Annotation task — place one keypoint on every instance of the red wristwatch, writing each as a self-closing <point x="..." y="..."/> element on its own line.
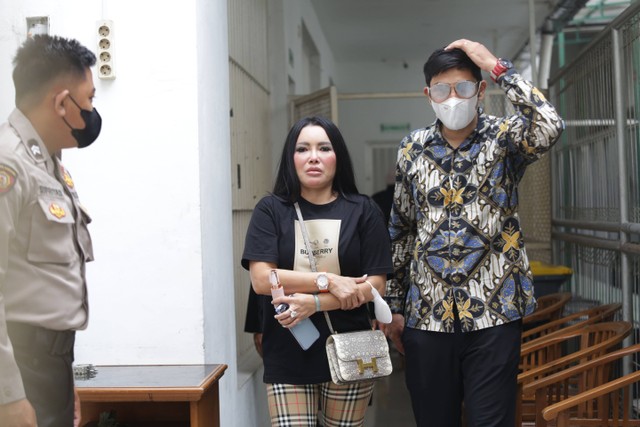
<point x="502" y="66"/>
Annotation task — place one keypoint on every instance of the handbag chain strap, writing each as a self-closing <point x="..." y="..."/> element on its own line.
<point x="312" y="259"/>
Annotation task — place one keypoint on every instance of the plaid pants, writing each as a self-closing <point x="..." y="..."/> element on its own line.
<point x="326" y="404"/>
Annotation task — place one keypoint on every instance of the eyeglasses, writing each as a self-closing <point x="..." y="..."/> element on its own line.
<point x="465" y="89"/>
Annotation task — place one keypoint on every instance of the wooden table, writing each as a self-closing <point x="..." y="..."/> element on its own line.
<point x="144" y="396"/>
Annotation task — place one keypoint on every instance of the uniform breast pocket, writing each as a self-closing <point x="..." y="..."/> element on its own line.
<point x="52" y="239"/>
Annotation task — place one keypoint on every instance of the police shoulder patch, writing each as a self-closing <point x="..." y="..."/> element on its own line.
<point x="8" y="177"/>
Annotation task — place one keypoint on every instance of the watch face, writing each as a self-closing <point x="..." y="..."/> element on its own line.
<point x="322" y="281"/>
<point x="506" y="63"/>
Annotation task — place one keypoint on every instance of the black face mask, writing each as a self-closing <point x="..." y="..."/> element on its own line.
<point x="92" y="126"/>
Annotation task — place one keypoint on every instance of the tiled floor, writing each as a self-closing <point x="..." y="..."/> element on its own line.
<point x="391" y="404"/>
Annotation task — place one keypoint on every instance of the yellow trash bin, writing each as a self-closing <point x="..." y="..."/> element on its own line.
<point x="548" y="278"/>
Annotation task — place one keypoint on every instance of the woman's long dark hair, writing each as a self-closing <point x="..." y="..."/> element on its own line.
<point x="287" y="185"/>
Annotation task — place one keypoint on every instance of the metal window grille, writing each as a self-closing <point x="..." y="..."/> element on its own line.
<point x="595" y="174"/>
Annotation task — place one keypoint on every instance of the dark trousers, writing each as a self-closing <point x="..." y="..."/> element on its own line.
<point x="45" y="361"/>
<point x="479" y="368"/>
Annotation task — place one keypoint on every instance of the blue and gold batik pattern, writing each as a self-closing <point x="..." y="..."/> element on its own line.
<point x="454" y="225"/>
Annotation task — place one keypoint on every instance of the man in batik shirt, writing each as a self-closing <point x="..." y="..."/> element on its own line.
<point x="462" y="279"/>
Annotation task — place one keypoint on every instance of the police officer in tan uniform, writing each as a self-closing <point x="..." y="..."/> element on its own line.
<point x="44" y="241"/>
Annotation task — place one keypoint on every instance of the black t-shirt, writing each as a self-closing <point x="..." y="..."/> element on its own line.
<point x="349" y="238"/>
<point x="253" y="318"/>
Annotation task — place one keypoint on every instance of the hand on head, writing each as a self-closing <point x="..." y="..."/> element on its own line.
<point x="477" y="52"/>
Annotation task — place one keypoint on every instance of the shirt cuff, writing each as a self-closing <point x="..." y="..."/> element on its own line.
<point x="510" y="77"/>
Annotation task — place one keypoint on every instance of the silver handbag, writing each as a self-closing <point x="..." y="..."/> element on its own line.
<point x="353" y="356"/>
<point x="358" y="356"/>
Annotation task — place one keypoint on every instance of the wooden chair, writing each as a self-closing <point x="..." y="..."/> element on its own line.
<point x="550" y="308"/>
<point x="601" y="313"/>
<point x="605" y="405"/>
<point x="561" y="351"/>
<point x="574" y="380"/>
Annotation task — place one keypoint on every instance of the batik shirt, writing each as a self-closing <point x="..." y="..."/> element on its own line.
<point x="454" y="224"/>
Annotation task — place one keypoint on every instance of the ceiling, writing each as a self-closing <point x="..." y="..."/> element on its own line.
<point x="406" y="30"/>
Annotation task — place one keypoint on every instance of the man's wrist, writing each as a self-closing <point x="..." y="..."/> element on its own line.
<point x="500" y="69"/>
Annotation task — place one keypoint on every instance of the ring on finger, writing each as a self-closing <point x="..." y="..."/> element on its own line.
<point x="293" y="314"/>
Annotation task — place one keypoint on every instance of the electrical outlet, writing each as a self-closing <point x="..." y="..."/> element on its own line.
<point x="106" y="57"/>
<point x="37" y="25"/>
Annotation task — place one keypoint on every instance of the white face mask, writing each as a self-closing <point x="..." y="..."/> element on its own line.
<point x="456" y="113"/>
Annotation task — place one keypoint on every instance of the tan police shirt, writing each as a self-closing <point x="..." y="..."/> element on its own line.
<point x="44" y="244"/>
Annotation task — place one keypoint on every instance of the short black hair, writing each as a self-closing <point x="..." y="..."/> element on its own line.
<point x="287" y="185"/>
<point x="442" y="60"/>
<point x="43" y="58"/>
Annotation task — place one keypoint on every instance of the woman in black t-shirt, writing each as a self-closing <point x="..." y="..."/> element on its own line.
<point x="351" y="246"/>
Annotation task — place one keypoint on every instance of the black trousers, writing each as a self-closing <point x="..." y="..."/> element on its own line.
<point x="45" y="359"/>
<point x="479" y="368"/>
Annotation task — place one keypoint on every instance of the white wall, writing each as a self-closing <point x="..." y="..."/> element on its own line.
<point x="141" y="184"/>
<point x="151" y="140"/>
